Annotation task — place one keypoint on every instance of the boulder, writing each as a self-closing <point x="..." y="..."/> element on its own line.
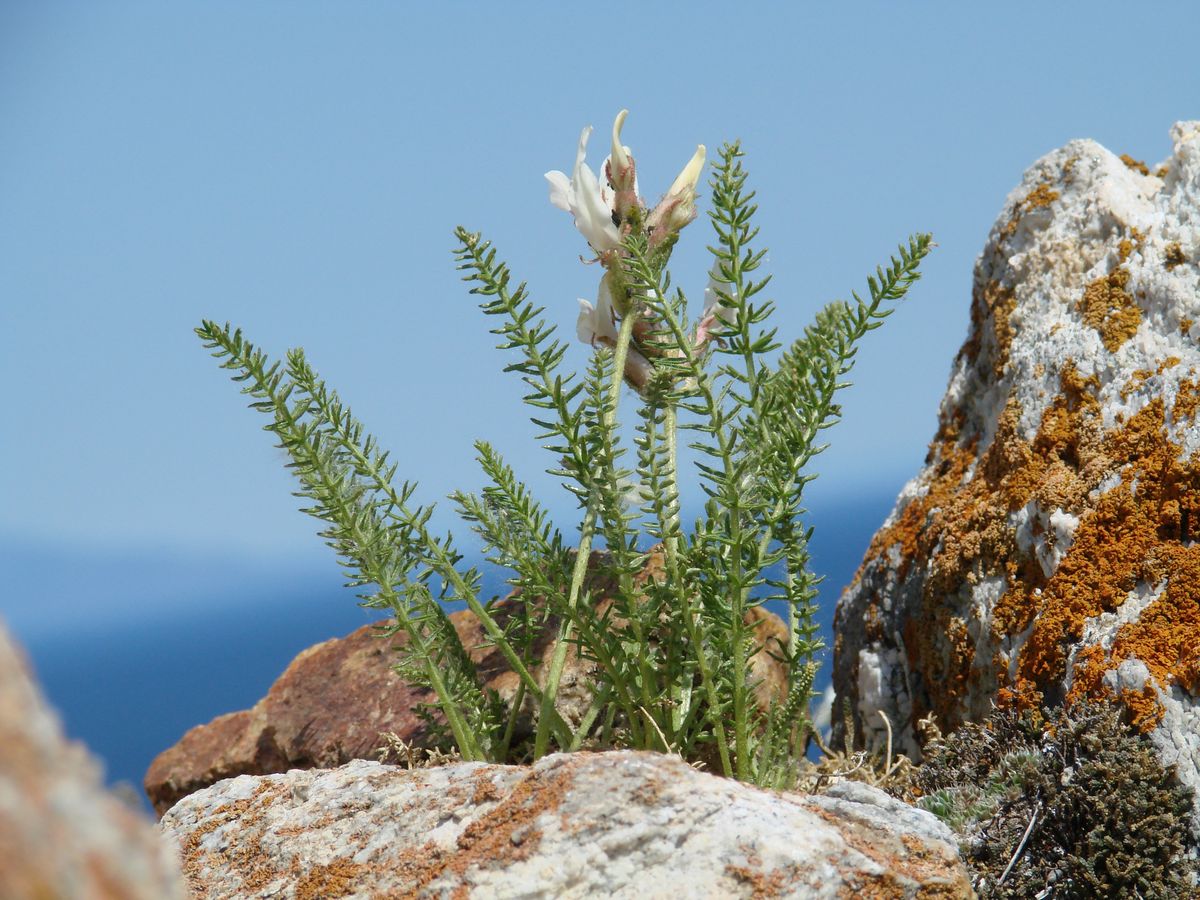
<point x="61" y="833"/>
<point x="1048" y="551"/>
<point x="621" y="824"/>
<point x="336" y="698"/>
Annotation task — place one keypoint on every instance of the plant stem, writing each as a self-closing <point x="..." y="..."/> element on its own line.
<point x="510" y="726"/>
<point x="670" y="429"/>
<point x="691" y="616"/>
<point x="582" y="555"/>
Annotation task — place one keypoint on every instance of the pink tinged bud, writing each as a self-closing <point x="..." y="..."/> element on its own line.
<point x="685" y="183"/>
<point x="586" y="200"/>
<point x="621" y="173"/>
<point x="678" y="207"/>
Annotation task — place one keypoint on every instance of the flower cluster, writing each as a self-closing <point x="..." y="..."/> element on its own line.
<point x="607" y="209"/>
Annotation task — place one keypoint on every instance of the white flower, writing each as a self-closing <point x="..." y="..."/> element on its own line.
<point x="595" y="324"/>
<point x="713" y="307"/>
<point x="587" y="200"/>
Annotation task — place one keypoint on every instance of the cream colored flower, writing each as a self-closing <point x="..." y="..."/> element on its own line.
<point x="587" y="200"/>
<point x="596" y="324"/>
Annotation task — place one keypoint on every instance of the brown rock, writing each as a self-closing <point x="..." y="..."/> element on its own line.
<point x="336" y="698"/>
<point x="61" y="833"/>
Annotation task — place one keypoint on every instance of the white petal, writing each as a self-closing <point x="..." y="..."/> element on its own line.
<point x="585" y="325"/>
<point x="581" y="152"/>
<point x="593" y="212"/>
<point x="604" y="325"/>
<point x="561" y="193"/>
<point x="619" y="151"/>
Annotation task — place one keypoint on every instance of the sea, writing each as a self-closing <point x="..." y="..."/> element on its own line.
<point x="133" y="648"/>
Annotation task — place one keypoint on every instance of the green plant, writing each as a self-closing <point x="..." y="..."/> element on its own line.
<point x="670" y="656"/>
<point x="1065" y="803"/>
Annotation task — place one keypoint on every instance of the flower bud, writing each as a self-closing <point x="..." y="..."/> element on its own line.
<point x="678" y="207"/>
<point x="622" y="174"/>
<point x="620" y="164"/>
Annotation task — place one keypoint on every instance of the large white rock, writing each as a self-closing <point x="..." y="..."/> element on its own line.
<point x="623" y="824"/>
<point x="1047" y="549"/>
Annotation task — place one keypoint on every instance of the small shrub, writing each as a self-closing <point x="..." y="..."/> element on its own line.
<point x="670" y="658"/>
<point x="1062" y="804"/>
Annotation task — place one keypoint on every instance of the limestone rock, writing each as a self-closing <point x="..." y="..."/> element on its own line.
<point x="1047" y="550"/>
<point x="61" y="833"/>
<point x="336" y="698"/>
<point x="623" y="824"/>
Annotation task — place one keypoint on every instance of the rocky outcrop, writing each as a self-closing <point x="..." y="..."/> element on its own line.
<point x="623" y="824"/>
<point x="335" y="699"/>
<point x="61" y="833"/>
<point x="1048" y="549"/>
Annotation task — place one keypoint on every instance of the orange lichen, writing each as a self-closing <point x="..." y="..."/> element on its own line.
<point x="991" y="308"/>
<point x="1187" y="401"/>
<point x="1041" y="196"/>
<point x="1137" y="378"/>
<point x="1001" y="303"/>
<point x="1136" y="164"/>
<point x="1185" y="325"/>
<point x="1110" y="309"/>
<point x="339" y="878"/>
<point x="1129" y="535"/>
<point x="764" y="885"/>
<point x="1173" y="256"/>
<point x="1165" y="637"/>
<point x="897" y="865"/>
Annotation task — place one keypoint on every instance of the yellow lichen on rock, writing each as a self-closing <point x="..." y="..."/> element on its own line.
<point x="1110" y="309"/>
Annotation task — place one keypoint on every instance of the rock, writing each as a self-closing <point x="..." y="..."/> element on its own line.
<point x="329" y="706"/>
<point x="335" y="699"/>
<point x="61" y="833"/>
<point x="622" y="824"/>
<point x="1047" y="550"/>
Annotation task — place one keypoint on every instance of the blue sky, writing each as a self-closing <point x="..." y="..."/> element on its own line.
<point x="298" y="169"/>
